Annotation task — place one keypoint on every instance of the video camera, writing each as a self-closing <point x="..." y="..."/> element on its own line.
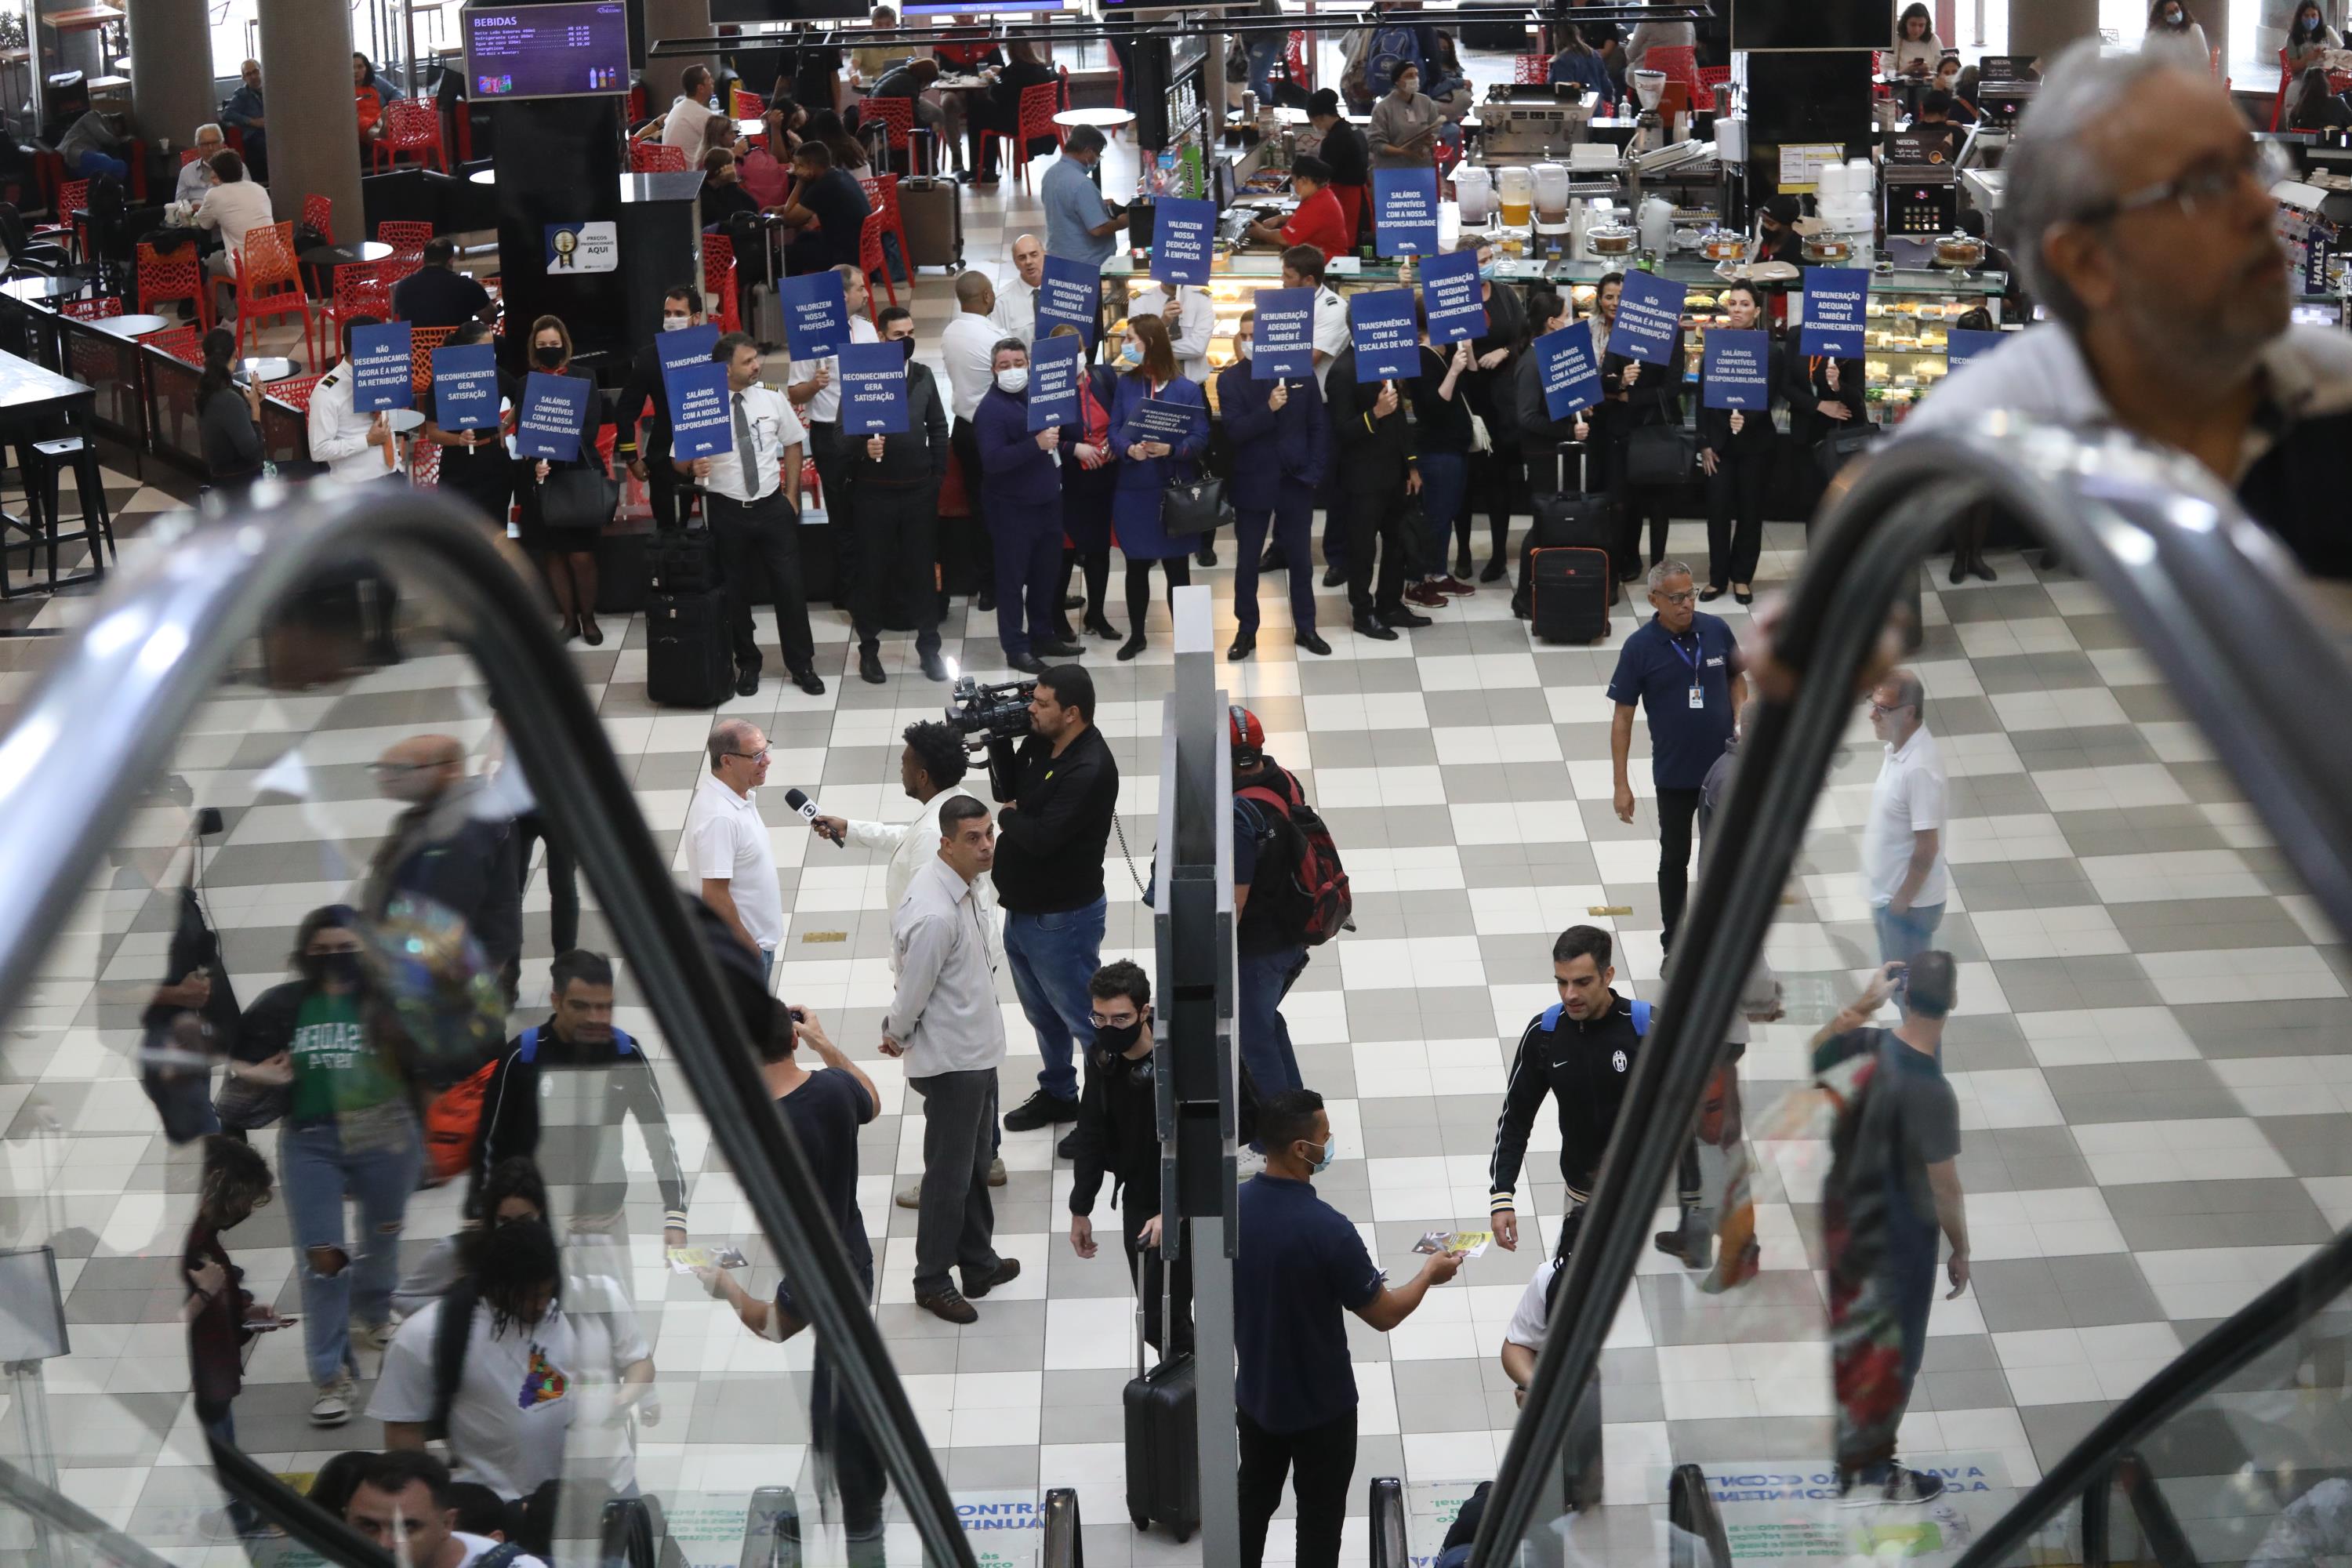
<point x="992" y="717"/>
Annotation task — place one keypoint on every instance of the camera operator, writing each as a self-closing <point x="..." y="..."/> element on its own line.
<point x="1051" y="836"/>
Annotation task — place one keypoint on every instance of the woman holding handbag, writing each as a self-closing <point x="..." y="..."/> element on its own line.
<point x="1735" y="453"/>
<point x="1150" y="462"/>
<point x="1826" y="408"/>
<point x="1650" y="451"/>
<point x="569" y="501"/>
<point x="476" y="465"/>
<point x="1089" y="482"/>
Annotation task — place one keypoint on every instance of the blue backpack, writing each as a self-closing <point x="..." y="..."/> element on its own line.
<point x="1551" y="1016"/>
<point x="1392" y="47"/>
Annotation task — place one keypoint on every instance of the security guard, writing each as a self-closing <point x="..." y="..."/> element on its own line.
<point x="1580" y="1050"/>
<point x="681" y="309"/>
<point x="355" y="447"/>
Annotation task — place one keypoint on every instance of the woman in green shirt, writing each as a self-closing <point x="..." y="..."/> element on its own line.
<point x="349" y="1130"/>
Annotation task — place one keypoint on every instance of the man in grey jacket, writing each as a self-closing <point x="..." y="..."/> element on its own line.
<point x="453" y="847"/>
<point x="945" y="1021"/>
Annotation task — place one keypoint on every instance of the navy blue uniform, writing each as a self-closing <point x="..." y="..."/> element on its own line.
<point x="1660" y="673"/>
<point x="1279" y="458"/>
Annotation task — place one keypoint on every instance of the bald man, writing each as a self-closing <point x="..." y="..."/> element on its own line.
<point x="453" y="847"/>
<point x="1016" y="298"/>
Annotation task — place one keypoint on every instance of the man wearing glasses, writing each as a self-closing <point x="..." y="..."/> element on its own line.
<point x="1903" y="870"/>
<point x="2142" y="219"/>
<point x="727" y="843"/>
<point x="1683" y="667"/>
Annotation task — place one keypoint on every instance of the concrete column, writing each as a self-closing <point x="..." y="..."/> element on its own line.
<point x="314" y="136"/>
<point x="170" y="68"/>
<point x="2045" y="26"/>
<point x="666" y="20"/>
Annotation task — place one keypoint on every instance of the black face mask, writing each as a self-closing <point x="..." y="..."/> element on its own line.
<point x="340" y="968"/>
<point x="549" y="355"/>
<point x="906" y="347"/>
<point x="1116" y="1039"/>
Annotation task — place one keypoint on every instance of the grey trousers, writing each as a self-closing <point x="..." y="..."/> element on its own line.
<point x="956" y="1225"/>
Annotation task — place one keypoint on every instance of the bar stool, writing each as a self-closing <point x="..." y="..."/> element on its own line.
<point x="43" y="463"/>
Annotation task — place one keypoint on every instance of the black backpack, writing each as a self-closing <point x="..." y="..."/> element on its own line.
<point x="450" y="1335"/>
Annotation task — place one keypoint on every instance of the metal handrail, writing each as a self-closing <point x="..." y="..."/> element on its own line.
<point x="1062" y="1544"/>
<point x="103" y="721"/>
<point x="1695" y="1520"/>
<point x="2188" y="570"/>
<point x="1390" y="1545"/>
<point x="54" y="1510"/>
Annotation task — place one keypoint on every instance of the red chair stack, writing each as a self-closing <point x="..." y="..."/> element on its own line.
<point x="1530" y="70"/>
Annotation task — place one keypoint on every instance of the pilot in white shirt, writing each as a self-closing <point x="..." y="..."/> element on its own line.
<point x="1191" y="322"/>
<point x="353" y="444"/>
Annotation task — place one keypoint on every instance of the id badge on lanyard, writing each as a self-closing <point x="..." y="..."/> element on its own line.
<point x="1697" y="689"/>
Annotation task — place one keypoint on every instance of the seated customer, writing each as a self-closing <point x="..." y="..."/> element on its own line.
<point x="228" y="415"/>
<point x="91" y="146"/>
<point x="438" y="295"/>
<point x="2318" y="108"/>
<point x="234" y="206"/>
<point x="825" y="215"/>
<point x="196" y="173"/>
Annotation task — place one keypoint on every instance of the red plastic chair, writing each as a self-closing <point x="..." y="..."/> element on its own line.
<point x="1530" y="70"/>
<point x="424" y="464"/>
<point x="1038" y="105"/>
<point x="72" y="196"/>
<point x="411" y="130"/>
<point x="183" y="342"/>
<point x="179" y="277"/>
<point x="269" y="284"/>
<point x="718" y="280"/>
<point x="295" y="394"/>
<point x="318" y="212"/>
<point x="187" y="156"/>
<point x="1678" y="61"/>
<point x="407" y="239"/>
<point x="422" y="342"/>
<point x="882" y="197"/>
<point x="656" y="158"/>
<point x="870" y="257"/>
<point x="1712" y="77"/>
<point x="361" y="289"/>
<point x="747" y="105"/>
<point x="899" y="114"/>
<point x="98" y="308"/>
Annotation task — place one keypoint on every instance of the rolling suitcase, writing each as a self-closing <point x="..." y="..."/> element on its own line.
<point x="1163" y="1452"/>
<point x="1571" y="590"/>
<point x="688" y="662"/>
<point x="681" y="562"/>
<point x="623" y="572"/>
<point x="1562" y="519"/>
<point x="934" y="218"/>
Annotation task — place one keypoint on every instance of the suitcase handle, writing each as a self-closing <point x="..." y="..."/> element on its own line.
<point x="1167" y="1306"/>
<point x="1583" y="451"/>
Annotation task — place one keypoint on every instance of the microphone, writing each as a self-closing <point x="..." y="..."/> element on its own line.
<point x="807" y="808"/>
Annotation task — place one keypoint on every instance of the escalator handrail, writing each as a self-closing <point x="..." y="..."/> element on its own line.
<point x="2176" y="557"/>
<point x="1691" y="1509"/>
<point x="47" y="1507"/>
<point x="2221" y="1352"/>
<point x="104" y="719"/>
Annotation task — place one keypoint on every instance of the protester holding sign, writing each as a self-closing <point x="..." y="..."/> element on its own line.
<point x="1441" y="412"/>
<point x="1556" y="375"/>
<point x="822" y="312"/>
<point x="896" y="496"/>
<point x="356" y="448"/>
<point x="1090" y="471"/>
<point x="1153" y="455"/>
<point x="1825" y="397"/>
<point x="567" y="501"/>
<point x="475" y="463"/>
<point x="1737" y="441"/>
<point x="1018" y="471"/>
<point x="1279" y="443"/>
<point x="1497" y="475"/>
<point x="1372" y="451"/>
<point x="681" y="314"/>
<point x="1642" y="375"/>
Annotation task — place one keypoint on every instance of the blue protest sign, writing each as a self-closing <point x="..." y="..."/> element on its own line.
<point x="816" y="313"/>
<point x="1738" y="369"/>
<point x="1968" y="343"/>
<point x="1649" y="313"/>
<point x="685" y="346"/>
<point x="1283" y="336"/>
<point x="1451" y="295"/>
<point x="1381" y="325"/>
<point x="1571" y="370"/>
<point x="1834" y="297"/>
<point x="1180" y="236"/>
<point x="701" y="416"/>
<point x="873" y="389"/>
<point x="549" y="424"/>
<point x="465" y="387"/>
<point x="1070" y="291"/>
<point x="1404" y="211"/>
<point x="381" y="368"/>
<point x="1054" y="367"/>
<point x="1159" y="419"/>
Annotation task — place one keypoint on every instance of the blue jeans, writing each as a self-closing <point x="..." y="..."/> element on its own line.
<point x="1053" y="957"/>
<point x="315" y="1171"/>
<point x="1902" y="938"/>
<point x="1265" y="1038"/>
<point x="1264" y="55"/>
<point x="223" y="1430"/>
<point x="1292" y="521"/>
<point x="94" y="164"/>
<point x="1444" y="479"/>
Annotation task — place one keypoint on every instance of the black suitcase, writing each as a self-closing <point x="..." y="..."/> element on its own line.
<point x="688" y="661"/>
<point x="1572" y="592"/>
<point x="1164" y="1450"/>
<point x="1563" y="517"/>
<point x="681" y="562"/>
<point x="622" y="572"/>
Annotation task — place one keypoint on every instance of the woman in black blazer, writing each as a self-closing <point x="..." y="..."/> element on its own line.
<point x="1637" y="395"/>
<point x="1086" y="496"/>
<point x="565" y="541"/>
<point x="1736" y="454"/>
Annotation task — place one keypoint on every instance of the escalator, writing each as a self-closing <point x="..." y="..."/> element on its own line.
<point x="2236" y="1448"/>
<point x="264" y="661"/>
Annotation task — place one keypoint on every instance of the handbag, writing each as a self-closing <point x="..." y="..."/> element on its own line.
<point x="1410" y="540"/>
<point x="1845" y="444"/>
<point x="1193" y="506"/>
<point x="576" y="498"/>
<point x="1658" y="455"/>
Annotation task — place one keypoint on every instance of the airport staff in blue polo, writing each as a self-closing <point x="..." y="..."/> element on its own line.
<point x="1684" y="669"/>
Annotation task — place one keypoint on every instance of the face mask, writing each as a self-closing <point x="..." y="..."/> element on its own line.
<point x="1131" y="352"/>
<point x="1014" y="381"/>
<point x="550" y="354"/>
<point x="1331" y="1153"/>
<point x="677" y="323"/>
<point x="1116" y="1039"/>
<point x="1492" y="270"/>
<point x="335" y="968"/>
<point x="906" y="347"/>
<point x="1242" y="347"/>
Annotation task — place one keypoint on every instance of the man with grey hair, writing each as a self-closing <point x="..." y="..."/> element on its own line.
<point x="1903" y="871"/>
<point x="1078" y="222"/>
<point x="1683" y="667"/>
<point x="727" y="847"/>
<point x="196" y="172"/>
<point x="2139" y="211"/>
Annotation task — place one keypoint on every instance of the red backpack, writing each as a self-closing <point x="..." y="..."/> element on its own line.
<point x="1311" y="905"/>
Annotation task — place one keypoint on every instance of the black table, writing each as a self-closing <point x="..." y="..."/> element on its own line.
<point x="320" y="262"/>
<point x="33" y="399"/>
<point x="269" y="368"/>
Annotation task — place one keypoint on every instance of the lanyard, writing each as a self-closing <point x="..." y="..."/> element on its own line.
<point x="1691" y="658"/>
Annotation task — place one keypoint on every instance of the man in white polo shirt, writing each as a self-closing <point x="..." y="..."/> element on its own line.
<point x="1903" y="871"/>
<point x="727" y="843"/>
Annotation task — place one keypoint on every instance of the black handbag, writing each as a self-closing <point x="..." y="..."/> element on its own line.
<point x="1842" y="445"/>
<point x="1194" y="507"/>
<point x="1660" y="454"/>
<point x="576" y="498"/>
<point x="1410" y="540"/>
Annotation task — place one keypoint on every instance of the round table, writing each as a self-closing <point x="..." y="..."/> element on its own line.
<point x="1110" y="121"/>
<point x="327" y="257"/>
<point x="30" y="290"/>
<point x="131" y="326"/>
<point x="269" y="368"/>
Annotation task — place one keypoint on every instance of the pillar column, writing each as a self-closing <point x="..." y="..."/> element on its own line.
<point x="314" y="137"/>
<point x="2046" y="26"/>
<point x="666" y="21"/>
<point x="170" y="68"/>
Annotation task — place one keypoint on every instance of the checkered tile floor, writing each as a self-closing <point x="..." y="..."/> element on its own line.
<point x="2149" y="1053"/>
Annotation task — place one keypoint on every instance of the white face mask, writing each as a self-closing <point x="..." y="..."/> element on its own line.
<point x="1014" y="381"/>
<point x="1241" y="346"/>
<point x="677" y="323"/>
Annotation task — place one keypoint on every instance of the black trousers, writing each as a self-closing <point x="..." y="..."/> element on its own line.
<point x="765" y="531"/>
<point x="967" y="559"/>
<point x="1373" y="517"/>
<point x="1138" y="1203"/>
<point x="1497" y="479"/>
<point x="1677" y="809"/>
<point x="897" y="527"/>
<point x="563" y="878"/>
<point x="1177" y="569"/>
<point x="832" y="455"/>
<point x="1321" y="1465"/>
<point x="1734" y="513"/>
<point x="846" y="1461"/>
<point x="1634" y="504"/>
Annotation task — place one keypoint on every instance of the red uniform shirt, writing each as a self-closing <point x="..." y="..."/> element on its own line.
<point x="1318" y="222"/>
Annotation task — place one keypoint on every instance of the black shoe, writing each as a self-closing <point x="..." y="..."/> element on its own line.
<point x="1745" y="597"/>
<point x="1959" y="571"/>
<point x="1062" y="629"/>
<point x="1075" y="602"/>
<point x="934" y="667"/>
<point x="870" y="667"/>
<point x="1100" y="626"/>
<point x="1039" y="1110"/>
<point x="1312" y="643"/>
<point x="1979" y="568"/>
<point x="1494" y="572"/>
<point x="1461" y="567"/>
<point x="1334" y="577"/>
<point x="1063" y="649"/>
<point x="1131" y="646"/>
<point x="1271" y="560"/>
<point x="1207" y="557"/>
<point x="1370" y="625"/>
<point x="948" y="1305"/>
<point x="591" y="633"/>
<point x="1007" y="1270"/>
<point x="983" y="601"/>
<point x="1026" y="663"/>
<point x="1068" y="1147"/>
<point x="1401" y="616"/>
<point x="1244" y="644"/>
<point x="1710" y="594"/>
<point x="810" y="681"/>
<point x="747" y="683"/>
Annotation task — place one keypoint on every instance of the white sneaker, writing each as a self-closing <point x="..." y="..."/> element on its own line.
<point x="911" y="1197"/>
<point x="374" y="1337"/>
<point x="333" y="1405"/>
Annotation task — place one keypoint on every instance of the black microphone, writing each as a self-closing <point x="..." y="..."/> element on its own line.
<point x="807" y="807"/>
